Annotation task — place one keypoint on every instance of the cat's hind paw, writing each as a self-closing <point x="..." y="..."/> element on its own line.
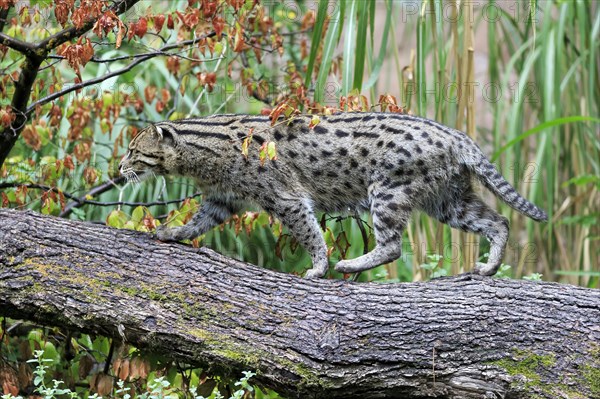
<point x="165" y="233"/>
<point x="483" y="269"/>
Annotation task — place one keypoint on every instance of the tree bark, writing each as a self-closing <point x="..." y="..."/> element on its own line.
<point x="460" y="337"/>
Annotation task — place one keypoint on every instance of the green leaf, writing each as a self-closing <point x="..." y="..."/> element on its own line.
<point x="137" y="215"/>
<point x="349" y="48"/>
<point x="316" y="40"/>
<point x="583" y="180"/>
<point x="48" y="206"/>
<point x="50" y="352"/>
<point x="116" y="219"/>
<point x="539" y="128"/>
<point x="41" y="3"/>
<point x="361" y="45"/>
<point x="331" y="41"/>
<point x="382" y="50"/>
<point x="272" y="151"/>
<point x="583" y="220"/>
<point x="420" y="71"/>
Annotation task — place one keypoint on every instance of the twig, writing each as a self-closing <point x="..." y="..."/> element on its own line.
<point x="80" y="201"/>
<point x="23" y="47"/>
<point x="111" y="351"/>
<point x="40" y="187"/>
<point x="94" y="191"/>
<point x="127" y="203"/>
<point x="134" y="56"/>
<point x="118" y="72"/>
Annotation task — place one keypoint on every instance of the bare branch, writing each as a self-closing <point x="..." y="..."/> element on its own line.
<point x="79" y="201"/>
<point x="102" y="188"/>
<point x="152" y="203"/>
<point x="145" y="57"/>
<point x="134" y="56"/>
<point x="22" y="47"/>
<point x="40" y="187"/>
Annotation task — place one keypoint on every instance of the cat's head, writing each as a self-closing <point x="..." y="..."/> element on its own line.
<point x="152" y="150"/>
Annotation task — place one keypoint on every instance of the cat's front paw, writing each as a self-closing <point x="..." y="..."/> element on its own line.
<point x="314" y="273"/>
<point x="165" y="233"/>
<point x="483" y="269"/>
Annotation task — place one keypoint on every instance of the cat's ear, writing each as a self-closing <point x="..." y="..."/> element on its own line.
<point x="163" y="135"/>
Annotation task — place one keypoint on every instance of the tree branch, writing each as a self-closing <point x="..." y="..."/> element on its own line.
<point x="101" y="188"/>
<point x="27" y="49"/>
<point x="29" y="70"/>
<point x="469" y="336"/>
<point x="133" y="56"/>
<point x="9" y="135"/>
<point x="79" y="201"/>
<point x="118" y="72"/>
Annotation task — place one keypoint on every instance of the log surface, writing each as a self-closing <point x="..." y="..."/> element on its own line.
<point x="460" y="337"/>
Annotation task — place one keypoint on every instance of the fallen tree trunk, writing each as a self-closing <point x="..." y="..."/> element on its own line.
<point x="461" y="337"/>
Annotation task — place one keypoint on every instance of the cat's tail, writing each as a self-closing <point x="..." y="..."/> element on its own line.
<point x="495" y="182"/>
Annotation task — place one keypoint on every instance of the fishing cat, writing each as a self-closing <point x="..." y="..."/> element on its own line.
<point x="388" y="164"/>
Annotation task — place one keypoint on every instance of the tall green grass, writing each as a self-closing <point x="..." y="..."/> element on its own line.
<point x="544" y="134"/>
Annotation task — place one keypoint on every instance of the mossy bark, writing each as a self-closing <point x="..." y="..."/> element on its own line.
<point x="467" y="336"/>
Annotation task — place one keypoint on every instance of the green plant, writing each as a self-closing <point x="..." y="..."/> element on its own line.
<point x="433" y="266"/>
<point x="158" y="388"/>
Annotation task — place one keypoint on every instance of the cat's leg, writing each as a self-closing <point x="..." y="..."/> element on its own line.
<point x="298" y="216"/>
<point x="390" y="211"/>
<point x="471" y="214"/>
<point x="212" y="212"/>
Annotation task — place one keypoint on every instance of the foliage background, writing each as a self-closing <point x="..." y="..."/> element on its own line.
<point x="521" y="77"/>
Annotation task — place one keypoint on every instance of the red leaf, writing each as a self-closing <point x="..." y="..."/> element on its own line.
<point x="68" y="162"/>
<point x="159" y="21"/>
<point x="218" y="25"/>
<point x="62" y="9"/>
<point x="149" y="93"/>
<point x="141" y="27"/>
<point x="209" y="7"/>
<point x="31" y="137"/>
<point x="6" y="116"/>
<point x="5" y="202"/>
<point x="238" y="45"/>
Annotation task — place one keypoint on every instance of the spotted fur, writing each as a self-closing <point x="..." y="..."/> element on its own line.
<point x="388" y="164"/>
